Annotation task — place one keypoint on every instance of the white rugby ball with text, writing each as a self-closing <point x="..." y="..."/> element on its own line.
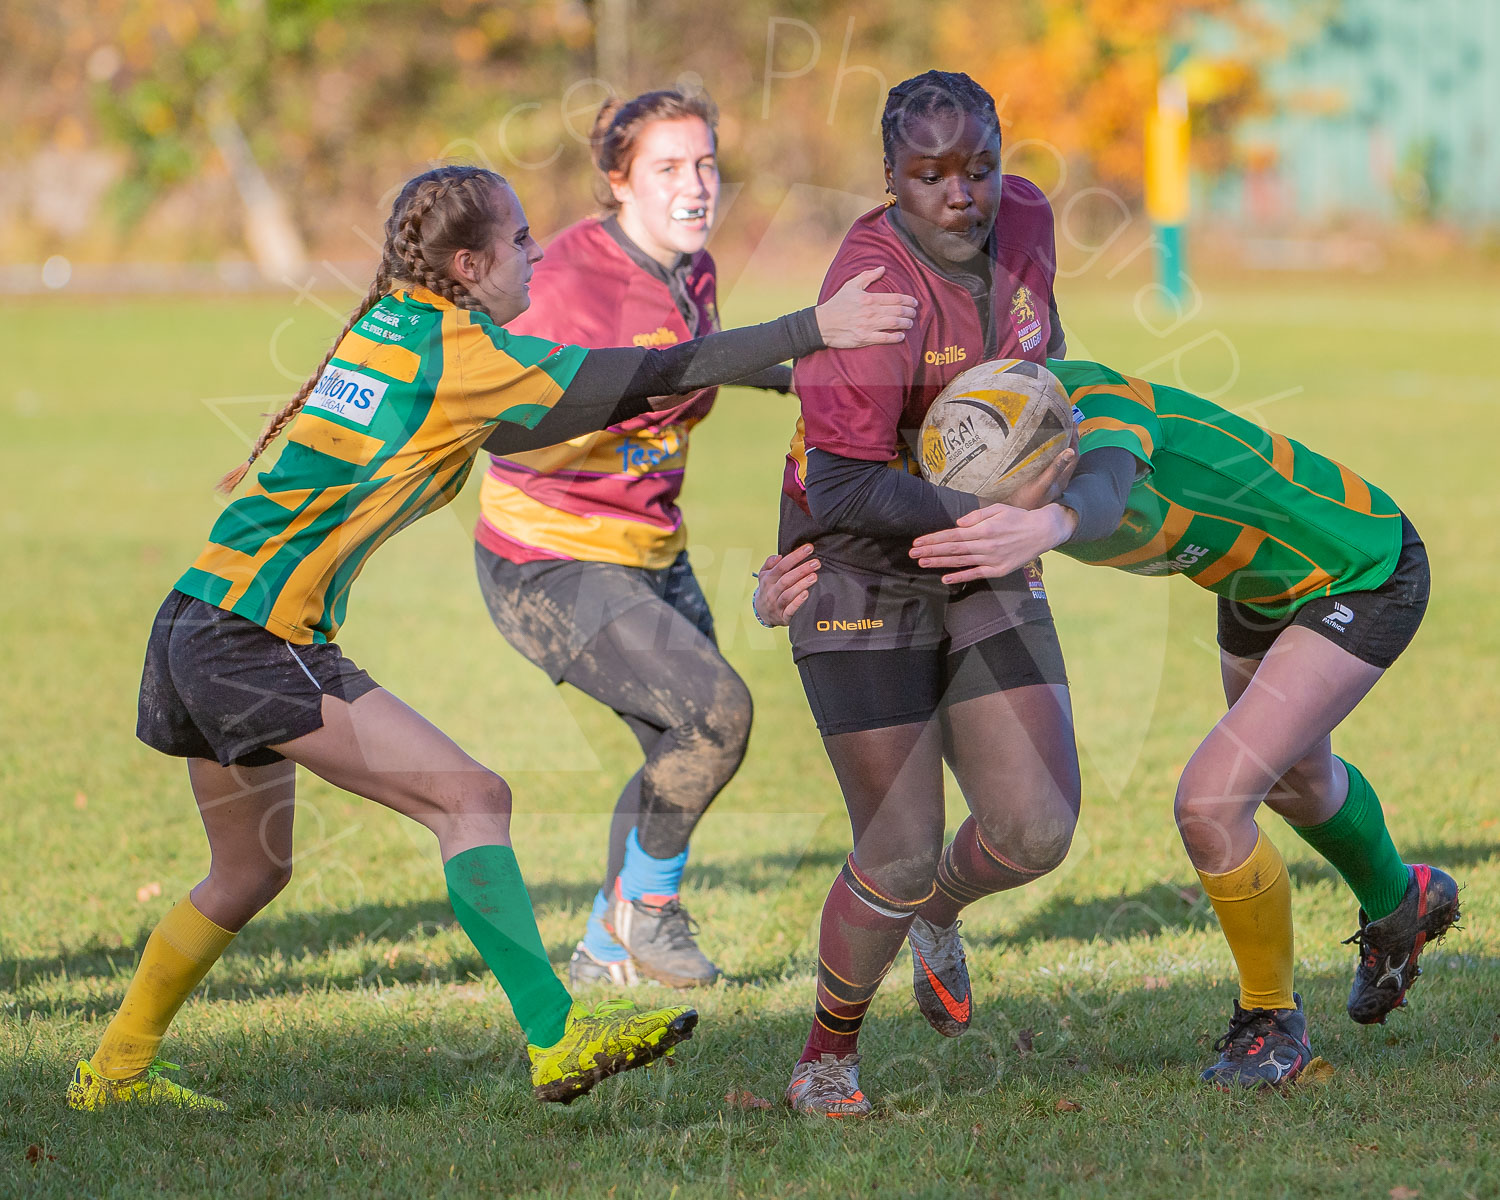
<point x="995" y="427"/>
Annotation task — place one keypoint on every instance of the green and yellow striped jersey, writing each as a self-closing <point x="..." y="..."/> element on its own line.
<point x="387" y="436"/>
<point x="1239" y="510"/>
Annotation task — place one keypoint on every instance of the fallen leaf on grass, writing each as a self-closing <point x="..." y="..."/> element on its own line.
<point x="1403" y="1193"/>
<point x="745" y="1100"/>
<point x="35" y="1154"/>
<point x="1024" y="1038"/>
<point x="147" y="891"/>
<point x="1320" y="1070"/>
<point x="1068" y="1106"/>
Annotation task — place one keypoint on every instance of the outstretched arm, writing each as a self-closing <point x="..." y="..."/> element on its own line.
<point x="616" y="384"/>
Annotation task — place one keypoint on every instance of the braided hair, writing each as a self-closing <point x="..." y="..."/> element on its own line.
<point x="926" y="95"/>
<point x="437" y="214"/>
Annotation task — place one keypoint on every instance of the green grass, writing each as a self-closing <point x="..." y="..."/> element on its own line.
<point x="363" y="1047"/>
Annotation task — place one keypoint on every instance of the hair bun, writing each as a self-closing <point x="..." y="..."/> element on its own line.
<point x="600" y="131"/>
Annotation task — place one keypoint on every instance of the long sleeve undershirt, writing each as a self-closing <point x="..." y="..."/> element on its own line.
<point x="618" y="383"/>
<point x="870" y="499"/>
<point x="1099" y="491"/>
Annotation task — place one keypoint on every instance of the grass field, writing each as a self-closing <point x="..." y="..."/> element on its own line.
<point x="364" y="1049"/>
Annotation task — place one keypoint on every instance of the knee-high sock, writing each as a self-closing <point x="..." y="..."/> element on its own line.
<point x="968" y="870"/>
<point x="490" y="900"/>
<point x="178" y="954"/>
<point x="861" y="932"/>
<point x="1356" y="842"/>
<point x="1254" y="904"/>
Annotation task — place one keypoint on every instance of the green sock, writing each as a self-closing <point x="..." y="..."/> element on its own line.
<point x="1355" y="841"/>
<point x="490" y="900"/>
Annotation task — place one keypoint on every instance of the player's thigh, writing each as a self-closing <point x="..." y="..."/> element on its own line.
<point x="247" y="814"/>
<point x="875" y="710"/>
<point x="1008" y="721"/>
<point x="383" y="749"/>
<point x="1314" y="774"/>
<point x="1301" y="690"/>
<point x="658" y="668"/>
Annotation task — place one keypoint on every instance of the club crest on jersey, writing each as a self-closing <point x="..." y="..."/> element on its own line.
<point x="352" y="395"/>
<point x="1023" y="316"/>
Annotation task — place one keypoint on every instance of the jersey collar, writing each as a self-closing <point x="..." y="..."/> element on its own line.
<point x="421" y="295"/>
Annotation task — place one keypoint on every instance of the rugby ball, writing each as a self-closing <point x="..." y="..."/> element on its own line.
<point x="995" y="427"/>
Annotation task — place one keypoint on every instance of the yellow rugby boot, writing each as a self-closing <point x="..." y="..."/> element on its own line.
<point x="596" y="1043"/>
<point x="91" y="1091"/>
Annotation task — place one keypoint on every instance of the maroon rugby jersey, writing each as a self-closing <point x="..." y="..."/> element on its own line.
<point x="609" y="496"/>
<point x="869" y="404"/>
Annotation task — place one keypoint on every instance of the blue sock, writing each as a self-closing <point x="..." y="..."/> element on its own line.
<point x="655" y="880"/>
<point x="597" y="939"/>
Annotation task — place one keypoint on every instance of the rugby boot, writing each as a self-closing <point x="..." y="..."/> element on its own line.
<point x="940" y="976"/>
<point x="660" y="938"/>
<point x="1265" y="1047"/>
<point x="585" y="970"/>
<point x="1389" y="947"/>
<point x="828" y="1087"/>
<point x="89" y="1091"/>
<point x="613" y="1036"/>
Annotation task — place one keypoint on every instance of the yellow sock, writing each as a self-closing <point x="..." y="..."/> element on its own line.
<point x="1254" y="903"/>
<point x="178" y="954"/>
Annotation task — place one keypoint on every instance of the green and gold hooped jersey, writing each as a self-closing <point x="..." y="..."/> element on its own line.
<point x="1239" y="510"/>
<point x="387" y="436"/>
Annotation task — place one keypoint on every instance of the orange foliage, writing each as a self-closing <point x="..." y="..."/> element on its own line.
<point x="1074" y="79"/>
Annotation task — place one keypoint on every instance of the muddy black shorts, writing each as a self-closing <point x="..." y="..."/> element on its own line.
<point x="219" y="686"/>
<point x="1374" y="626"/>
<point x="853" y="608"/>
<point x="856" y="690"/>
<point x="551" y="610"/>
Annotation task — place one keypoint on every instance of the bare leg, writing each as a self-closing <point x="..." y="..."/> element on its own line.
<point x="1315" y="786"/>
<point x="386" y="751"/>
<point x="1302" y="689"/>
<point x="1014" y="756"/>
<point x="247" y="814"/>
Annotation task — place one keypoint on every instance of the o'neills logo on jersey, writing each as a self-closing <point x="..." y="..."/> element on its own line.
<point x="660" y="336"/>
<point x="352" y="395"/>
<point x="1023" y="316"/>
<point x="945" y="356"/>
<point x="849" y="626"/>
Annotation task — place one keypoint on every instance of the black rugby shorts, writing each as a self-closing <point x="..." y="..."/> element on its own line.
<point x="219" y="686"/>
<point x="1375" y="626"/>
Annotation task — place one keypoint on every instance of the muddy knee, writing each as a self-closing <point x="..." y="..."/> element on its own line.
<point x="907" y="879"/>
<point x="1035" y="845"/>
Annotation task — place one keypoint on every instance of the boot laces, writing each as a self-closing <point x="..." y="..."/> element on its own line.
<point x="677" y="926"/>
<point x="1246" y="1025"/>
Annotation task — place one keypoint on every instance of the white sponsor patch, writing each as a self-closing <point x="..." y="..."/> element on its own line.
<point x="352" y="395"/>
